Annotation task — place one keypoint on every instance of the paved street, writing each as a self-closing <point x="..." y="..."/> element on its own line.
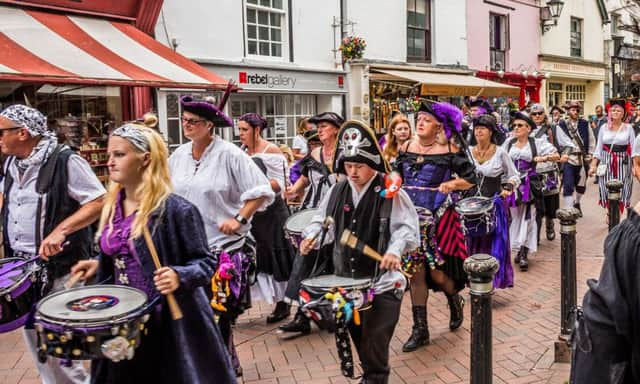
<point x="526" y="323"/>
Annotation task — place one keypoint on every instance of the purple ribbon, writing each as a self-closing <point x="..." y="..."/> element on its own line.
<point x="525" y="186"/>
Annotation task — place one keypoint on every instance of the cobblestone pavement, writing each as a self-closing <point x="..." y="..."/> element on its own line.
<point x="525" y="326"/>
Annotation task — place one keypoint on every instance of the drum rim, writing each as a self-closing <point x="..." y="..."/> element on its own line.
<point x="299" y="213"/>
<point x="8" y="290"/>
<point x="366" y="283"/>
<point x="122" y="318"/>
<point x="463" y="211"/>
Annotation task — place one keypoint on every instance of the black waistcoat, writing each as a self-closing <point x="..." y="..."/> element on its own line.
<point x="364" y="222"/>
<point x="59" y="206"/>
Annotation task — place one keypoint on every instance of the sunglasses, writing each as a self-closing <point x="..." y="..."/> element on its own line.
<point x="537" y="113"/>
<point x="519" y="125"/>
<point x="2" y="131"/>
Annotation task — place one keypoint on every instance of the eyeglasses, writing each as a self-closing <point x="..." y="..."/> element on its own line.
<point x="537" y="113"/>
<point x="191" y="121"/>
<point x="519" y="125"/>
<point x="2" y="131"/>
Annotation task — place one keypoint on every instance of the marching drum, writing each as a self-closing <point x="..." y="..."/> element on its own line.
<point x="296" y="223"/>
<point x="550" y="177"/>
<point x="322" y="297"/>
<point x="17" y="292"/>
<point x="101" y="321"/>
<point x="477" y="215"/>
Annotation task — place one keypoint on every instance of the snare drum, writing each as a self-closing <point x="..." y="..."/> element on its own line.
<point x="17" y="292"/>
<point x="477" y="216"/>
<point x="318" y="302"/>
<point x="101" y="321"/>
<point x="296" y="223"/>
<point x="550" y="177"/>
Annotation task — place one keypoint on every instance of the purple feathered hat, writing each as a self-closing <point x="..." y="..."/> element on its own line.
<point x="483" y="105"/>
<point x="448" y="114"/>
<point x="206" y="110"/>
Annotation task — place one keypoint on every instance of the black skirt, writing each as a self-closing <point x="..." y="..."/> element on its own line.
<point x="274" y="253"/>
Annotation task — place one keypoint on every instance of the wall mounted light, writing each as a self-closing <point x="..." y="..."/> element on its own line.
<point x="550" y="14"/>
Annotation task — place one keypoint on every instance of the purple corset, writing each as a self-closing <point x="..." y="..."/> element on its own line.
<point x="127" y="268"/>
<point x="418" y="178"/>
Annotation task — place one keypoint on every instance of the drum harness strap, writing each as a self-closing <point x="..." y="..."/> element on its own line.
<point x="343" y="343"/>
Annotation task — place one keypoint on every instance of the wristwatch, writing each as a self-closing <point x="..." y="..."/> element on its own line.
<point x="241" y="219"/>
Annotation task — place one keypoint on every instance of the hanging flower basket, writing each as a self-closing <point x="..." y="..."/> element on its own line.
<point x="352" y="47"/>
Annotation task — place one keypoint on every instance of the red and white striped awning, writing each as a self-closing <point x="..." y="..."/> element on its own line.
<point x="57" y="48"/>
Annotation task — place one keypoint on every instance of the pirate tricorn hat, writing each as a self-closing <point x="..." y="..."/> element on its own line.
<point x="357" y="143"/>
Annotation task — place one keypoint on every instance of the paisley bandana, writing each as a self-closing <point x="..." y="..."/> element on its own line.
<point x="133" y="134"/>
<point x="30" y="118"/>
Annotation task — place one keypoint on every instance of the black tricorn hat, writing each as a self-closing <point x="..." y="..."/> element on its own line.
<point x="524" y="117"/>
<point x="329" y="117"/>
<point x="357" y="143"/>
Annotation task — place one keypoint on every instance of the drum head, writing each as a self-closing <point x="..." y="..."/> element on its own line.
<point x="10" y="275"/>
<point x="333" y="281"/>
<point x="474" y="205"/>
<point x="91" y="304"/>
<point x="297" y="222"/>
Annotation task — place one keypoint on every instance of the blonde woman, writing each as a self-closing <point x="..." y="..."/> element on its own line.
<point x="299" y="145"/>
<point x="399" y="133"/>
<point x="140" y="194"/>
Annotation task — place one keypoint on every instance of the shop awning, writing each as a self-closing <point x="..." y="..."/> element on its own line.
<point x="450" y="84"/>
<point x="65" y="49"/>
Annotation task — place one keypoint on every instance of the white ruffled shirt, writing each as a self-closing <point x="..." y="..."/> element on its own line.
<point x="219" y="184"/>
<point x="623" y="136"/>
<point x="499" y="164"/>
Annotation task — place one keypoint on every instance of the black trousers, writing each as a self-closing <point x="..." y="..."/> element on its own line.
<point x="374" y="334"/>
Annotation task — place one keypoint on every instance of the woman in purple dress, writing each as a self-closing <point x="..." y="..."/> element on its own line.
<point x="187" y="350"/>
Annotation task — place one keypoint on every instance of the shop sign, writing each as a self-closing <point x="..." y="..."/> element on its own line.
<point x="574" y="69"/>
<point x="281" y="80"/>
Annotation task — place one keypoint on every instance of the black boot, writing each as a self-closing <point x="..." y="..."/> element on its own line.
<point x="281" y="312"/>
<point x="516" y="260"/>
<point x="456" y="306"/>
<point x="577" y="206"/>
<point x="420" y="332"/>
<point x="551" y="231"/>
<point x="524" y="262"/>
<point x="300" y="323"/>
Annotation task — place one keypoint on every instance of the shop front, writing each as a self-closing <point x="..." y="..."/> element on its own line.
<point x="282" y="95"/>
<point x="572" y="79"/>
<point x="87" y="74"/>
<point x="376" y="90"/>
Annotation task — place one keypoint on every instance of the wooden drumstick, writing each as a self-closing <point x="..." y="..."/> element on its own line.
<point x="353" y="242"/>
<point x="176" y="312"/>
<point x="73" y="280"/>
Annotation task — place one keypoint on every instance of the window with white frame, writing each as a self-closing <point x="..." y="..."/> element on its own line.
<point x="265" y="20"/>
<point x="575" y="92"/>
<point x="576" y="37"/>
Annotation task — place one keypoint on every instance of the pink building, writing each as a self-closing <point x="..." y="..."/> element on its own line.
<point x="504" y="42"/>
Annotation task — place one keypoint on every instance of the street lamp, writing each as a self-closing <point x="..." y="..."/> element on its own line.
<point x="550" y="13"/>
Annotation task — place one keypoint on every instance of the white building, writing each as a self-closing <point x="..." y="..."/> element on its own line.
<point x="283" y="58"/>
<point x="573" y="52"/>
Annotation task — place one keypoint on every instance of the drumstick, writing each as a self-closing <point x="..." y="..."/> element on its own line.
<point x="353" y="242"/>
<point x="326" y="223"/>
<point x="176" y="312"/>
<point x="73" y="280"/>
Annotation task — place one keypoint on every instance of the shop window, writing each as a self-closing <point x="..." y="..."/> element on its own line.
<point x="419" y="30"/>
<point x="555" y="94"/>
<point x="264" y="23"/>
<point x="576" y="37"/>
<point x="498" y="41"/>
<point x="576" y="92"/>
<point x="281" y="111"/>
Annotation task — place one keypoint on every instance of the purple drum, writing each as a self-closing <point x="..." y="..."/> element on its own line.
<point x="101" y="321"/>
<point x="296" y="223"/>
<point x="17" y="292"/>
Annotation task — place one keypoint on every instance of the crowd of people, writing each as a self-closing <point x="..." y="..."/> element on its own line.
<point x="217" y="217"/>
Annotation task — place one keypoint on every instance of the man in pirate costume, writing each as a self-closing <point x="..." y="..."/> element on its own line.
<point x="389" y="225"/>
<point x="578" y="144"/>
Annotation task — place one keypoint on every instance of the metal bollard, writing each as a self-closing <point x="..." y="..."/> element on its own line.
<point x="613" y="195"/>
<point x="568" y="286"/>
<point x="481" y="268"/>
